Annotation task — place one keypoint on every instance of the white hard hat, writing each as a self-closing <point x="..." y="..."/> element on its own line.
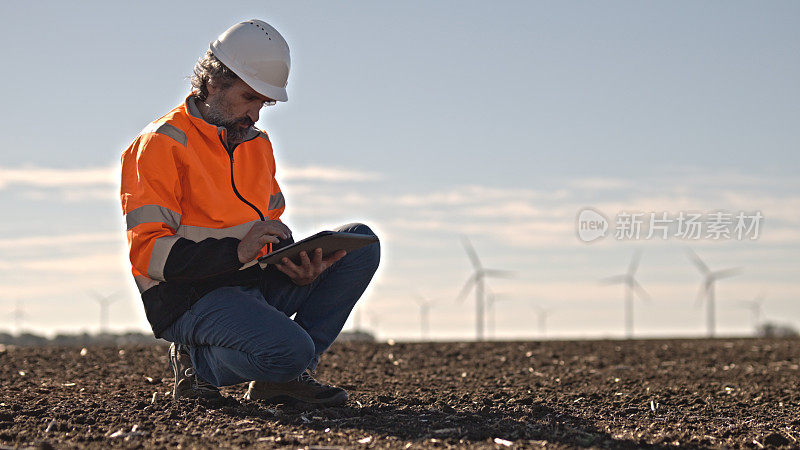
<point x="258" y="54"/>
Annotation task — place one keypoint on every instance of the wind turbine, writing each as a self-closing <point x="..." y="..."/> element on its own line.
<point x="707" y="287"/>
<point x="477" y="279"/>
<point x="358" y="316"/>
<point x="631" y="286"/>
<point x="756" y="307"/>
<point x="105" y="301"/>
<point x="374" y="320"/>
<point x="18" y="313"/>
<point x="541" y="318"/>
<point x="424" y="314"/>
<point x="357" y="320"/>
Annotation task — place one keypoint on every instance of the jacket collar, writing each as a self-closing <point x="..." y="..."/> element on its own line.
<point x="197" y="119"/>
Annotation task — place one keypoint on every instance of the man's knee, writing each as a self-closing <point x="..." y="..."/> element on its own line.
<point x="371" y="254"/>
<point x="357" y="228"/>
<point x="287" y="362"/>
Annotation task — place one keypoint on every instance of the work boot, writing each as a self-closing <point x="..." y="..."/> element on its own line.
<point x="303" y="389"/>
<point x="187" y="383"/>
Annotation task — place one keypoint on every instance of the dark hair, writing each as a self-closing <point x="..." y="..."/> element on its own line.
<point x="207" y="68"/>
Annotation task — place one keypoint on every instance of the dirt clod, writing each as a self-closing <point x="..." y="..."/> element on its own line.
<point x="776" y="440"/>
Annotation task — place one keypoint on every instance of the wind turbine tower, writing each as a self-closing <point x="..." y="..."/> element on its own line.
<point x="707" y="288"/>
<point x="357" y="320"/>
<point x="477" y="279"/>
<point x="632" y="287"/>
<point x="541" y="318"/>
<point x="756" y="307"/>
<point x="424" y="315"/>
<point x="491" y="310"/>
<point x="18" y="313"/>
<point x="105" y="301"/>
<point x="374" y="321"/>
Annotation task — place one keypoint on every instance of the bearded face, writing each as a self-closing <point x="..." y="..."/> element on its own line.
<point x="221" y="112"/>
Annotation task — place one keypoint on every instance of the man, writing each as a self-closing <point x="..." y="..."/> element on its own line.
<point x="202" y="205"/>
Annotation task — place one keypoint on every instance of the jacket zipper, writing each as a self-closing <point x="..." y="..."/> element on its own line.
<point x="233" y="183"/>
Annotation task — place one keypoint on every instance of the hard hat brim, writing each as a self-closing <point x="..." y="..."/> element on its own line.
<point x="265" y="89"/>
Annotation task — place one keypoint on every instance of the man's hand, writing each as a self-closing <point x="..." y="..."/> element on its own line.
<point x="308" y="270"/>
<point x="259" y="235"/>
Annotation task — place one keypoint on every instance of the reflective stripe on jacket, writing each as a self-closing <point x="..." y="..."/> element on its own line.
<point x="188" y="201"/>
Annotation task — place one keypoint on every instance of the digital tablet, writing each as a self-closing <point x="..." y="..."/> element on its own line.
<point x="329" y="241"/>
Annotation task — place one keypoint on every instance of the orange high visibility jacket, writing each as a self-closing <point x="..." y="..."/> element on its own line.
<point x="188" y="200"/>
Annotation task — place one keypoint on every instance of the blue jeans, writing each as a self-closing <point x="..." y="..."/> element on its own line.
<point x="237" y="334"/>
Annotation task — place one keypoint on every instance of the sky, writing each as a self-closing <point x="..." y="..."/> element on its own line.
<point x="432" y="123"/>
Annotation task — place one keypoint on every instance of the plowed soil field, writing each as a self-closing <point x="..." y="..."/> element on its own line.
<point x="737" y="393"/>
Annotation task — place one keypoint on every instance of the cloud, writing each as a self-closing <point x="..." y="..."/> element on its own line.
<point x="529" y="229"/>
<point x="50" y="177"/>
<point x="91" y="263"/>
<point x="517" y="209"/>
<point x="54" y="286"/>
<point x="331" y="174"/>
<point x="76" y="194"/>
<point x="54" y="241"/>
<point x="472" y="194"/>
<point x="601" y="183"/>
<point x="535" y="218"/>
<point x="54" y="177"/>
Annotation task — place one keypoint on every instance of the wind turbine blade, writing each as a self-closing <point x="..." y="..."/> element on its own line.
<point x="637" y="256"/>
<point x="640" y="290"/>
<point x="467" y="287"/>
<point x="473" y="256"/>
<point x="108" y="299"/>
<point x="701" y="266"/>
<point x="615" y="279"/>
<point x="726" y="273"/>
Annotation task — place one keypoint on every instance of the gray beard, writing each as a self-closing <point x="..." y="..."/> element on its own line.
<point x="236" y="134"/>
